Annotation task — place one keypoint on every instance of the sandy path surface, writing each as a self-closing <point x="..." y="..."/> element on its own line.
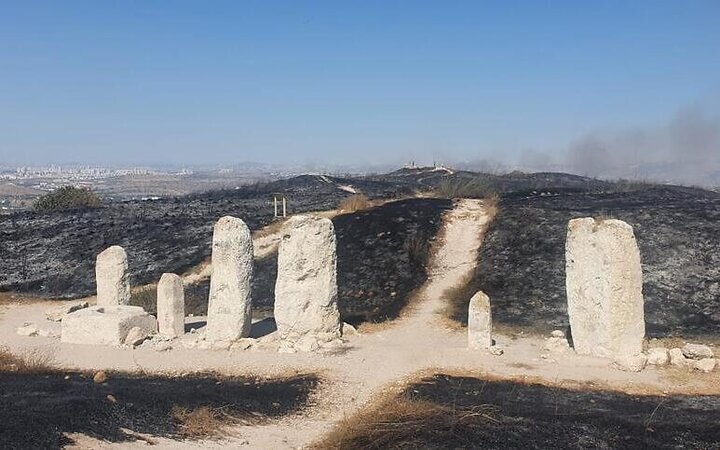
<point x="373" y="363"/>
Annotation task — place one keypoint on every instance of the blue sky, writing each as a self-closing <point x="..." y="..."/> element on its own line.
<point x="193" y="82"/>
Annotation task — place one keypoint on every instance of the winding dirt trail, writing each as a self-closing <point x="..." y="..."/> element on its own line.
<point x="385" y="359"/>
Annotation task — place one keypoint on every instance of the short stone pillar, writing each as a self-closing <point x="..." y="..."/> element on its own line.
<point x="111" y="276"/>
<point x="479" y="322"/>
<point x="306" y="309"/>
<point x="230" y="303"/>
<point x="171" y="305"/>
<point x="604" y="288"/>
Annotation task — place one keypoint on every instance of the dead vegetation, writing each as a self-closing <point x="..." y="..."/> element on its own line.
<point x="456" y="411"/>
<point x="395" y="423"/>
<point x="200" y="422"/>
<point x="475" y="187"/>
<point x="44" y="409"/>
<point x="354" y="203"/>
<point x="31" y="362"/>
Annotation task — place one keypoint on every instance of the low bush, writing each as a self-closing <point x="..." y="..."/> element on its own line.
<point x="67" y="197"/>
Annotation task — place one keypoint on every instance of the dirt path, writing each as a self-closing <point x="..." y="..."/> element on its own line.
<point x="373" y="363"/>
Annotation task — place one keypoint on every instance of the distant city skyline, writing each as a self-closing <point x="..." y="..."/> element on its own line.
<point x="592" y="88"/>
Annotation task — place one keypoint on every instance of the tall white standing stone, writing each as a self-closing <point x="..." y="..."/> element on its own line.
<point x="604" y="288"/>
<point x="171" y="305"/>
<point x="111" y="275"/>
<point x="479" y="322"/>
<point x="230" y="303"/>
<point x="306" y="309"/>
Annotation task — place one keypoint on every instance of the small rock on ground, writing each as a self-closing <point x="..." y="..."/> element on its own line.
<point x="100" y="377"/>
<point x="135" y="336"/>
<point x="658" y="356"/>
<point x="697" y="351"/>
<point x="706" y="365"/>
<point x="28" y="329"/>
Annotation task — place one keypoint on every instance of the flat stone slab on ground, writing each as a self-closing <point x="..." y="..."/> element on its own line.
<point x="105" y="325"/>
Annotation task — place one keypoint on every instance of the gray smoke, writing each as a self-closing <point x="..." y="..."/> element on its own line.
<point x="684" y="150"/>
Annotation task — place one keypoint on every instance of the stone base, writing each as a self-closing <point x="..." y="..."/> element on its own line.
<point x="105" y="325"/>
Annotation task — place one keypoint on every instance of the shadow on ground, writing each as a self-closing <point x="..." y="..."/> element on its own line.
<point x="460" y="412"/>
<point x="37" y="409"/>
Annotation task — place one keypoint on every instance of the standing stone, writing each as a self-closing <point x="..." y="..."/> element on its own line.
<point x="230" y="303"/>
<point x="604" y="288"/>
<point x="171" y="305"/>
<point x="479" y="322"/>
<point x="306" y="289"/>
<point x="111" y="275"/>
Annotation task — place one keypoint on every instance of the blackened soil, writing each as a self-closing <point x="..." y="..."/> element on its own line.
<point x="381" y="258"/>
<point x="476" y="413"/>
<point x="35" y="410"/>
<point x="522" y="259"/>
<point x="53" y="254"/>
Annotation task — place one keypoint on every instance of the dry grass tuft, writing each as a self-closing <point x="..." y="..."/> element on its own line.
<point x="200" y="422"/>
<point x="272" y="228"/>
<point x="33" y="362"/>
<point x="357" y="202"/>
<point x="466" y="188"/>
<point x="394" y="422"/>
<point x="457" y="298"/>
<point x="145" y="296"/>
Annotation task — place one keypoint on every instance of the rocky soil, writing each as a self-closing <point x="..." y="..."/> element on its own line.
<point x="522" y="261"/>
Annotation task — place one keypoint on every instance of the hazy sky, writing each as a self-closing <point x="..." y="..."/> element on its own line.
<point x="359" y="82"/>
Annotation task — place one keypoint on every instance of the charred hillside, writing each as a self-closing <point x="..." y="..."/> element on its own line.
<point x="522" y="260"/>
<point x="53" y="254"/>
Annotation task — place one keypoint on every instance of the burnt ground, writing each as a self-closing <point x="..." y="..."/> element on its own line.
<point x="522" y="259"/>
<point x="38" y="408"/>
<point x="53" y="254"/>
<point x="381" y="258"/>
<point x="460" y="412"/>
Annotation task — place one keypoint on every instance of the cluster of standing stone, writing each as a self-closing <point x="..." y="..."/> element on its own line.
<point x="603" y="278"/>
<point x="605" y="303"/>
<point x="306" y="293"/>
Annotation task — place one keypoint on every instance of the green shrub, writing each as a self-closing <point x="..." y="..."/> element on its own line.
<point x="67" y="197"/>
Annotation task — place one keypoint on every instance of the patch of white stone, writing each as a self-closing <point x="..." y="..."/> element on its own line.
<point x="480" y="325"/>
<point x="111" y="275"/>
<point x="230" y="303"/>
<point x="306" y="311"/>
<point x="171" y="305"/>
<point x="604" y="290"/>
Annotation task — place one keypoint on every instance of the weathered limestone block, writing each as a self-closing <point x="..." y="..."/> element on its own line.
<point x="557" y="343"/>
<point x="479" y="322"/>
<point x="230" y="303"/>
<point x="604" y="288"/>
<point x="632" y="363"/>
<point x="105" y="325"/>
<point x="658" y="356"/>
<point x="111" y="275"/>
<point x="57" y="313"/>
<point x="697" y="351"/>
<point x="705" y="365"/>
<point x="136" y="336"/>
<point x="306" y="309"/>
<point x="171" y="305"/>
<point x="677" y="358"/>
